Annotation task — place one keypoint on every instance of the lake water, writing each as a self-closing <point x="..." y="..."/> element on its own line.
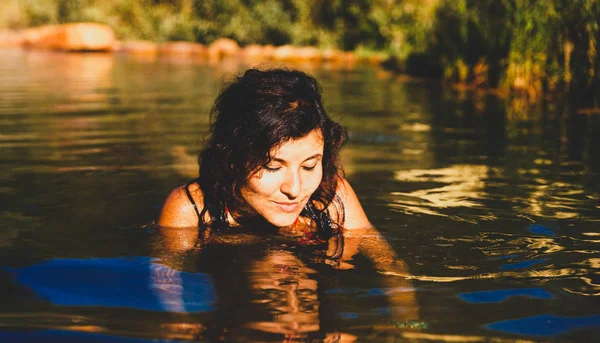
<point x="491" y="206"/>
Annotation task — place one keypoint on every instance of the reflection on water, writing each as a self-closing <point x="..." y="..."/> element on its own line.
<point x="490" y="208"/>
<point x="282" y="284"/>
<point x="131" y="282"/>
<point x="462" y="186"/>
<point x="271" y="288"/>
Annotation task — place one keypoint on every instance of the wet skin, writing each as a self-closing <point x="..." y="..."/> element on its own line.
<point x="279" y="191"/>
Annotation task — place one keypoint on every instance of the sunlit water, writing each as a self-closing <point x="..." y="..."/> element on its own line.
<point x="492" y="207"/>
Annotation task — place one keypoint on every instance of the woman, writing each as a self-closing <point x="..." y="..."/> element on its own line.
<point x="272" y="158"/>
<point x="272" y="162"/>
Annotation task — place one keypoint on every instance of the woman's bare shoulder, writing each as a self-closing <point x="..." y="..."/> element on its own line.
<point x="178" y="210"/>
<point x="354" y="215"/>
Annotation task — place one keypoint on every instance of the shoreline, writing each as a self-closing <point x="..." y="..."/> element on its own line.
<point x="99" y="38"/>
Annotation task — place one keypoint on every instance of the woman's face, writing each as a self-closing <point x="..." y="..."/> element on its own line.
<point x="280" y="190"/>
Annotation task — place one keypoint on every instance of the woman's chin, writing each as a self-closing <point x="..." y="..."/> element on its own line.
<point x="283" y="220"/>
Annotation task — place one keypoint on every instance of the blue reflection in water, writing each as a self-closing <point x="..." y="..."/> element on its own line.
<point x="503" y="294"/>
<point x="546" y="325"/>
<point x="348" y="315"/>
<point x="52" y="336"/>
<point x="540" y="230"/>
<point x="524" y="264"/>
<point x="502" y="257"/>
<point x="134" y="282"/>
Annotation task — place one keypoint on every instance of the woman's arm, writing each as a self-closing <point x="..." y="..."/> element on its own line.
<point x="177" y="237"/>
<point x="358" y="229"/>
<point x="178" y="211"/>
<point x="362" y="237"/>
<point x="178" y="221"/>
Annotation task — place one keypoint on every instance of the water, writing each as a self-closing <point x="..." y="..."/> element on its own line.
<point x="491" y="207"/>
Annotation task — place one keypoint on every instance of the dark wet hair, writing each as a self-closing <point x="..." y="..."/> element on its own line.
<point x="253" y="114"/>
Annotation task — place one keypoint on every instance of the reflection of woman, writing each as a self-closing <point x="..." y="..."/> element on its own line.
<point x="272" y="162"/>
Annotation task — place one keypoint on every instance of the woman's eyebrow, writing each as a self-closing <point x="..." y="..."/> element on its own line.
<point x="317" y="155"/>
<point x="314" y="156"/>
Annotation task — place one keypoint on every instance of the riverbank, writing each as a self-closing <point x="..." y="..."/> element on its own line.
<point x="531" y="49"/>
<point x="94" y="37"/>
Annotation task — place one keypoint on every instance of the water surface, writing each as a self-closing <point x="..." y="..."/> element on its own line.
<point x="491" y="206"/>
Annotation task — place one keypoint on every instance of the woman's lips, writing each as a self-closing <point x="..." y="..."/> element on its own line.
<point x="287" y="206"/>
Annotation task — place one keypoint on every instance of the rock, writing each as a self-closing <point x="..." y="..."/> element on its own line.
<point x="283" y="53"/>
<point x="339" y="56"/>
<point x="292" y="53"/>
<point x="269" y="51"/>
<point x="87" y="37"/>
<point x="349" y="57"/>
<point x="332" y="55"/>
<point x="181" y="49"/>
<point x="139" y="47"/>
<point x="223" y="47"/>
<point x="258" y="52"/>
<point x="117" y="46"/>
<point x="41" y="37"/>
<point x="308" y="53"/>
<point x="253" y="51"/>
<point x="11" y="39"/>
<point x="70" y="37"/>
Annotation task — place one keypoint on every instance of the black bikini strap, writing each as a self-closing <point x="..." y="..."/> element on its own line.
<point x="341" y="209"/>
<point x="189" y="195"/>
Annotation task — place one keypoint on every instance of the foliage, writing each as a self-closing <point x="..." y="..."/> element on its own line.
<point x="69" y="10"/>
<point x="528" y="45"/>
<point x="38" y="13"/>
<point x="531" y="46"/>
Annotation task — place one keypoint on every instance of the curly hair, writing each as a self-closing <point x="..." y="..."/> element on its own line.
<point x="253" y="114"/>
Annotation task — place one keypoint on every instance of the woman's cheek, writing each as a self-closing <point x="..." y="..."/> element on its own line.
<point x="270" y="182"/>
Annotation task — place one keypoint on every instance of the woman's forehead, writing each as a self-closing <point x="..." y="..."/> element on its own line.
<point x="300" y="148"/>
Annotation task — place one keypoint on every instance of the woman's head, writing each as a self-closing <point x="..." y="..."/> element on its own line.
<point x="272" y="146"/>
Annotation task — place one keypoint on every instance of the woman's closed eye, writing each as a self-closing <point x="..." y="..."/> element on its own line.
<point x="272" y="168"/>
<point x="276" y="168"/>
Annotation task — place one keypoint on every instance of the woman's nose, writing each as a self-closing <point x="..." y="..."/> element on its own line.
<point x="291" y="185"/>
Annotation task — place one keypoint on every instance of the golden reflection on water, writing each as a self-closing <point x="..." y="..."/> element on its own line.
<point x="285" y="287"/>
<point x="589" y="289"/>
<point x="537" y="274"/>
<point x="537" y="245"/>
<point x="74" y="113"/>
<point x="528" y="247"/>
<point x="284" y="292"/>
<point x="464" y="188"/>
<point x="467" y="186"/>
<point x="554" y="200"/>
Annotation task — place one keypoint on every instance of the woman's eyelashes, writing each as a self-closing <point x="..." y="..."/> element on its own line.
<point x="273" y="169"/>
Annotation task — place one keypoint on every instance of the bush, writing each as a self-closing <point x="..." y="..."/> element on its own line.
<point x="535" y="45"/>
<point x="37" y="13"/>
